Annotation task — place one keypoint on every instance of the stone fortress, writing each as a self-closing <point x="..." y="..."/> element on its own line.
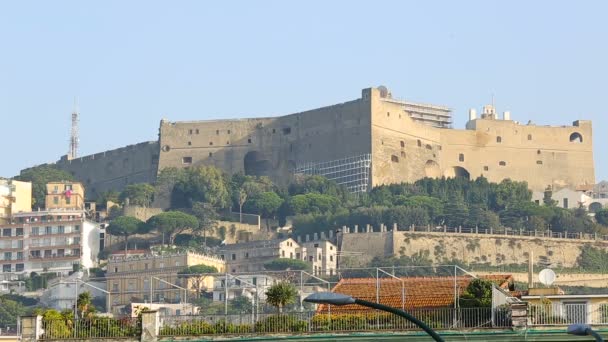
<point x="373" y="140"/>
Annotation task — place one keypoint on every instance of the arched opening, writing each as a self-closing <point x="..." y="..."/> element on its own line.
<point x="595" y="207"/>
<point x="457" y="172"/>
<point x="499" y="139"/>
<point x="256" y="164"/>
<point x="431" y="169"/>
<point x="576" y="138"/>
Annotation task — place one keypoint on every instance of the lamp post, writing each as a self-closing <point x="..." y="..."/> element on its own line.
<point x="584" y="330"/>
<point x="341" y="299"/>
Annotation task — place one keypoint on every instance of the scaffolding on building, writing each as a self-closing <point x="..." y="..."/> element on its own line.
<point x="351" y="172"/>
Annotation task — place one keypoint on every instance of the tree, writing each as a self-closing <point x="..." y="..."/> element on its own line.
<point x="10" y="311"/>
<point x="207" y="218"/>
<point x="40" y="176"/>
<point x="84" y="305"/>
<point x="195" y="276"/>
<point x="108" y="196"/>
<point x="284" y="264"/>
<point x="477" y="294"/>
<point x="172" y="223"/>
<point x="548" y="197"/>
<point x="265" y="204"/>
<point x="242" y="198"/>
<point x="125" y="226"/>
<point x="601" y="216"/>
<point x="141" y="194"/>
<point x="281" y="294"/>
<point x="200" y="184"/>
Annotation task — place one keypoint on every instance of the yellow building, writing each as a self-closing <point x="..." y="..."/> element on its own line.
<point x="142" y="277"/>
<point x="15" y="197"/>
<point x="64" y="195"/>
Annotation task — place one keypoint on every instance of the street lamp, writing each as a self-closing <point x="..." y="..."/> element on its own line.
<point x="583" y="330"/>
<point x="341" y="299"/>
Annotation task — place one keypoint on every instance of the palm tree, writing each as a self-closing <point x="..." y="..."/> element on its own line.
<point x="281" y="294"/>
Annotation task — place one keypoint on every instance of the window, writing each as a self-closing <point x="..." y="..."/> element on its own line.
<point x="228" y="131"/>
<point x="539" y="162"/>
<point x="486" y="168"/>
<point x="6" y="232"/>
<point x="227" y="142"/>
<point x="402" y="143"/>
<point x="61" y="230"/>
<point x="419" y="143"/>
<point x="77" y="228"/>
<point x="217" y="132"/>
<point x="331" y="258"/>
<point x="35" y="230"/>
<point x="254" y="280"/>
<point x="310" y="258"/>
<point x="19" y="268"/>
<point x="529" y="136"/>
<point x="146" y="284"/>
<point x="402" y="154"/>
<point x="210" y="154"/>
<point x="48" y="230"/>
<point x="115" y="287"/>
<point x="388" y="114"/>
<point x="6" y="268"/>
<point x="538" y="152"/>
<point x="537" y="202"/>
<point x="189" y="131"/>
<point x="565" y="201"/>
<point x="8" y="256"/>
<point x="502" y="163"/>
<point x="249" y="141"/>
<point x="35" y="254"/>
<point x="115" y="269"/>
<point x="189" y="143"/>
<point x="394" y="159"/>
<point x="499" y="139"/>
<point x="461" y="157"/>
<point x="233" y="256"/>
<point x="290" y="255"/>
<point x="428" y="147"/>
<point x="298" y="256"/>
<point x="19" y="255"/>
<point x="246" y="255"/>
<point x="145" y="266"/>
<point x="19" y="232"/>
<point x="286" y="130"/>
<point x="186" y="160"/>
<point x="283" y="254"/>
<point x="576" y="138"/>
<point x="68" y="200"/>
<point x="55" y="200"/>
<point x="211" y="143"/>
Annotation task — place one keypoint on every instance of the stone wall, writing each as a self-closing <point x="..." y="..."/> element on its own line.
<point x="471" y="248"/>
<point x="141" y="213"/>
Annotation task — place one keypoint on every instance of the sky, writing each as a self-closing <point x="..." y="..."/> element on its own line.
<point x="132" y="63"/>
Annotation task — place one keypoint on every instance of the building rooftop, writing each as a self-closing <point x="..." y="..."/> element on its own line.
<point x="254" y="244"/>
<point x="420" y="292"/>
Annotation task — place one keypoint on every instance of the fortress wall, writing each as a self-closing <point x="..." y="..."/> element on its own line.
<point x="275" y="146"/>
<point x="114" y="169"/>
<point x="492" y="249"/>
<point x="539" y="155"/>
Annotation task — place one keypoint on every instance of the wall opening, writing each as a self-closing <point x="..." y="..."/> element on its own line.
<point x="187" y="160"/>
<point x="539" y="162"/>
<point x="402" y="154"/>
<point x="576" y="138"/>
<point x="499" y="139"/>
<point x="461" y="157"/>
<point x="502" y="163"/>
<point x="529" y="136"/>
<point x="402" y="143"/>
<point x="429" y="147"/>
<point x="286" y="130"/>
<point x="394" y="159"/>
<point x="595" y="207"/>
<point x="419" y="143"/>
<point x="457" y="172"/>
<point x="256" y="164"/>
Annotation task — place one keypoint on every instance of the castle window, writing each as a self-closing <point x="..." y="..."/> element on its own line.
<point x="228" y="131"/>
<point x="402" y="154"/>
<point x="190" y="131"/>
<point x="486" y="168"/>
<point x="187" y="160"/>
<point x="429" y="147"/>
<point x="388" y="114"/>
<point x="538" y="152"/>
<point x="576" y="138"/>
<point x="394" y="159"/>
<point x="249" y="141"/>
<point x="217" y="132"/>
<point x="211" y="143"/>
<point x="529" y="136"/>
<point x="419" y="143"/>
<point x="227" y="142"/>
<point x="197" y="131"/>
<point x="165" y="148"/>
<point x="502" y="163"/>
<point x="189" y="143"/>
<point x="499" y="139"/>
<point x="539" y="162"/>
<point x="402" y="143"/>
<point x="210" y="154"/>
<point x="461" y="157"/>
<point x="286" y="130"/>
<point x="274" y="131"/>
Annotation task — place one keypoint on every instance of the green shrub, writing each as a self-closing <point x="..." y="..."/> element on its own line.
<point x="281" y="323"/>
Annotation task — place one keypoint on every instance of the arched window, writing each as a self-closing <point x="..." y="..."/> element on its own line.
<point x="402" y="143"/>
<point x="499" y="139"/>
<point x="576" y="138"/>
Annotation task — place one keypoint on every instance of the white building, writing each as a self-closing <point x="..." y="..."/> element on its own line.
<point x="48" y="241"/>
<point x="323" y="256"/>
<point x="570" y="199"/>
<point x="245" y="285"/>
<point x="61" y="293"/>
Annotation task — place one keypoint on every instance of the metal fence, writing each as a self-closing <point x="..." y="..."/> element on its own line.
<point x="98" y="327"/>
<point x="567" y="313"/>
<point x="312" y="322"/>
<point x="10" y="329"/>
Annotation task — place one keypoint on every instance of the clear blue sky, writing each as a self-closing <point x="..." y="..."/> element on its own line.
<point x="132" y="63"/>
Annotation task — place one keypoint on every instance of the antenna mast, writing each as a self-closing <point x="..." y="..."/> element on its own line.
<point x="74" y="140"/>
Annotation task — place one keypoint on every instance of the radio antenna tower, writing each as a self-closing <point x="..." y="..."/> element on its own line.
<point x="74" y="140"/>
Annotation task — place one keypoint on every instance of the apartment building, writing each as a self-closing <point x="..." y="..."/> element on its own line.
<point x="251" y="256"/>
<point x="251" y="286"/>
<point x="57" y="239"/>
<point x="15" y="197"/>
<point x="147" y="277"/>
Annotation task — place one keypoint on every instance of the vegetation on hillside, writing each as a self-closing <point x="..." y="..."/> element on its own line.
<point x="40" y="176"/>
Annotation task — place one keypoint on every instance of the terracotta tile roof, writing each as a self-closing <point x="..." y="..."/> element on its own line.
<point x="420" y="292"/>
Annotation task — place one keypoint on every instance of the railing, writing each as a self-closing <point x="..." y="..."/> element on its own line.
<point x="98" y="327"/>
<point x="311" y="322"/>
<point x="10" y="330"/>
<point x="566" y="314"/>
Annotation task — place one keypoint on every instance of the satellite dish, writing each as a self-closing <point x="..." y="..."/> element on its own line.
<point x="547" y="277"/>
